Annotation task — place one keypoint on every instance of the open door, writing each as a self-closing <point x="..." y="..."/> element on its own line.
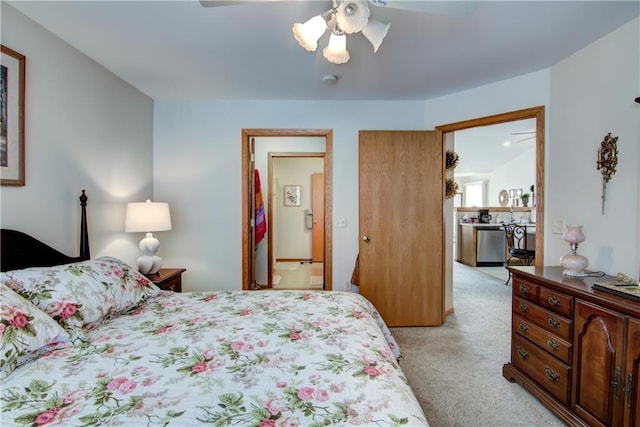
<point x="401" y="258"/>
<point x="252" y="214"/>
<point x="317" y="207"/>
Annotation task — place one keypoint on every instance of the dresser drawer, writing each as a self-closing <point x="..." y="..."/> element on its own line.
<point x="556" y="302"/>
<point x="525" y="289"/>
<point x="551" y="343"/>
<point x="553" y="375"/>
<point x="546" y="319"/>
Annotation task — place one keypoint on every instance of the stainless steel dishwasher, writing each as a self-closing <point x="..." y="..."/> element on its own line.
<point x="490" y="249"/>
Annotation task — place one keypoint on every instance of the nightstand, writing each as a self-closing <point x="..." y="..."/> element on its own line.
<point x="168" y="279"/>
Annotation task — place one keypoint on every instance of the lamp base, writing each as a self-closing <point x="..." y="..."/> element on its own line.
<point x="149" y="264"/>
<point x="574" y="265"/>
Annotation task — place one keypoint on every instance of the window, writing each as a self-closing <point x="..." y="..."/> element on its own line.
<point x="474" y="193"/>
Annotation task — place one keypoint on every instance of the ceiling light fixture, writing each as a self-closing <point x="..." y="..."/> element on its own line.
<point x="345" y="17"/>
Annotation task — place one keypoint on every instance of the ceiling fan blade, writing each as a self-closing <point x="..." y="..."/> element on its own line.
<point x="451" y="8"/>
<point x="215" y="3"/>
<point x="525" y="139"/>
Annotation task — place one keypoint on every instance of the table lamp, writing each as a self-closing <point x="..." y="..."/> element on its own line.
<point x="573" y="263"/>
<point x="147" y="217"/>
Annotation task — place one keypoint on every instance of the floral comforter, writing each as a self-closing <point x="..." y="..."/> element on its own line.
<point x="282" y="358"/>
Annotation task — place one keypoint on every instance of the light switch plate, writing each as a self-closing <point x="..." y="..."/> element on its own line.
<point x="341" y="221"/>
<point x="558" y="226"/>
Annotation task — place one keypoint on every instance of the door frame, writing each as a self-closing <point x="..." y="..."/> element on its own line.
<point x="537" y="113"/>
<point x="247" y="177"/>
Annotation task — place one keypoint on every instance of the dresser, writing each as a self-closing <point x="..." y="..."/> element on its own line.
<point x="168" y="279"/>
<point x="576" y="349"/>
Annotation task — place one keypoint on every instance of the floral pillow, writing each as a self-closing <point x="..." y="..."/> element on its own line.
<point x="25" y="332"/>
<point x="83" y="294"/>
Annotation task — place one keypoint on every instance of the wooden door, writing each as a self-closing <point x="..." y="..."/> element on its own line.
<point x="598" y="343"/>
<point x="632" y="375"/>
<point x="401" y="205"/>
<point x="317" y="207"/>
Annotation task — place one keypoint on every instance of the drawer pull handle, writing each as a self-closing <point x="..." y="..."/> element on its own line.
<point x="524" y="307"/>
<point x="551" y="374"/>
<point x="553" y="322"/>
<point x="553" y="300"/>
<point x="553" y="345"/>
<point x="522" y="353"/>
<point x="523" y="327"/>
<point x="524" y="289"/>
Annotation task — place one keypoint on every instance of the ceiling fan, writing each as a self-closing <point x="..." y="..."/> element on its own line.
<point x="352" y="16"/>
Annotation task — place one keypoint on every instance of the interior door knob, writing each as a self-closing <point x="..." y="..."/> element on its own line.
<point x="366" y="239"/>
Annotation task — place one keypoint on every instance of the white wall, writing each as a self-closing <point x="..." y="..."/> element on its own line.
<point x="197" y="169"/>
<point x="293" y="237"/>
<point x="592" y="93"/>
<point x="519" y="173"/>
<point x="85" y="129"/>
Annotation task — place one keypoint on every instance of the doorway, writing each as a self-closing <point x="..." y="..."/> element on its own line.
<point x="248" y="196"/>
<point x="295" y="218"/>
<point x="536" y="113"/>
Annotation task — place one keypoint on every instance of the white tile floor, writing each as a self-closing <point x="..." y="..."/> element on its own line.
<point x="296" y="275"/>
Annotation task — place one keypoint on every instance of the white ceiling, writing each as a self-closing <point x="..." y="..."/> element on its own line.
<point x="182" y="50"/>
<point x="483" y="149"/>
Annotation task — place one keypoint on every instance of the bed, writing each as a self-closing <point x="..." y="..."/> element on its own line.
<point x="93" y="342"/>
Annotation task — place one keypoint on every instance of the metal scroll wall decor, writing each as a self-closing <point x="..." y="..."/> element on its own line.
<point x="607" y="162"/>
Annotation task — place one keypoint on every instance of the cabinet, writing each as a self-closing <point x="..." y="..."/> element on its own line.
<point x="168" y="279"/>
<point x="574" y="348"/>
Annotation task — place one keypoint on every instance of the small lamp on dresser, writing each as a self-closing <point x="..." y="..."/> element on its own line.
<point x="147" y="217"/>
<point x="573" y="263"/>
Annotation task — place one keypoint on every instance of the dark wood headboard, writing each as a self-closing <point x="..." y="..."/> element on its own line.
<point x="19" y="250"/>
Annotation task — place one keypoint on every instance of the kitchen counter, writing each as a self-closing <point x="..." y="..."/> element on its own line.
<point x="483" y="244"/>
<point x="530" y="225"/>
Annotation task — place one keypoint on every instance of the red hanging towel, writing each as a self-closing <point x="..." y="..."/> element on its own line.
<point x="261" y="223"/>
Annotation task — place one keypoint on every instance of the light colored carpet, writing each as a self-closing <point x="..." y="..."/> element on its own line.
<point x="455" y="370"/>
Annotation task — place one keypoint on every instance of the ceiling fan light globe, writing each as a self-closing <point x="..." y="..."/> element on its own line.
<point x="336" y="51"/>
<point x="352" y="16"/>
<point x="375" y="32"/>
<point x="307" y="34"/>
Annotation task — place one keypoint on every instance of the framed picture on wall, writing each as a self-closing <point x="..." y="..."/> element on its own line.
<point x="292" y="195"/>
<point x="12" y="81"/>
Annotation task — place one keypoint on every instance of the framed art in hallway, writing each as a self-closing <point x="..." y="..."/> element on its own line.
<point x="12" y="84"/>
<point x="292" y="195"/>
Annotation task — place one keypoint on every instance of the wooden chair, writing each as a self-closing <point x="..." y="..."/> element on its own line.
<point x="516" y="241"/>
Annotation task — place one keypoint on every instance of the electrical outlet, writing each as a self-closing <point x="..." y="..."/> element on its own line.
<point x="341" y="222"/>
<point x="558" y="226"/>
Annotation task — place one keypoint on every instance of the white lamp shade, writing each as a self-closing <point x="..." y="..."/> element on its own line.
<point x="147" y="217"/>
<point x="307" y="34"/>
<point x="336" y="51"/>
<point x="375" y="32"/>
<point x="352" y="16"/>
